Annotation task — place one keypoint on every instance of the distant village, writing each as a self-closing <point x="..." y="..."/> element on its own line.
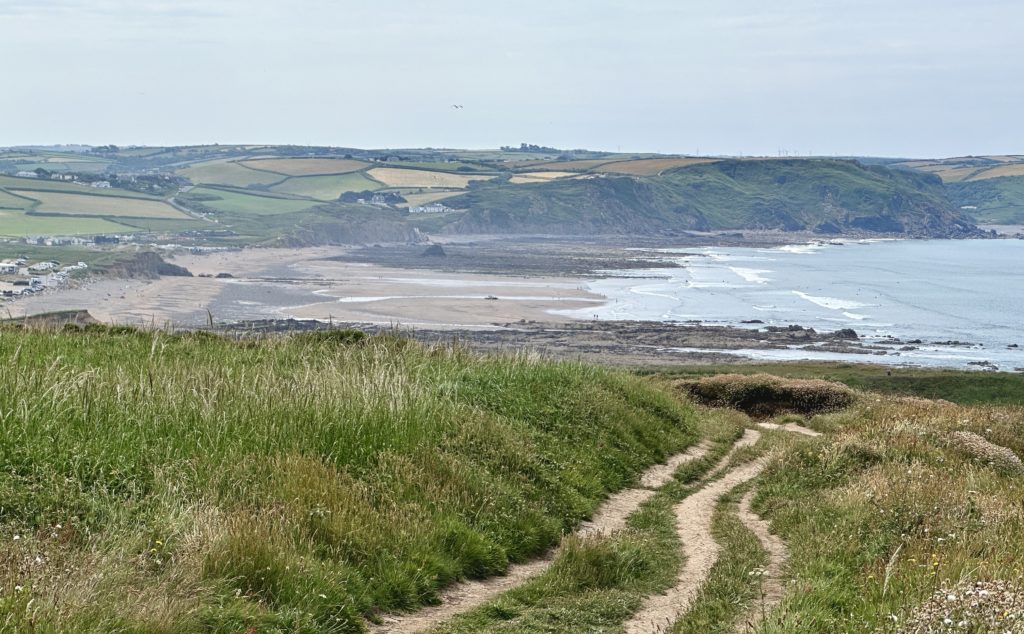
<point x="20" y="277"/>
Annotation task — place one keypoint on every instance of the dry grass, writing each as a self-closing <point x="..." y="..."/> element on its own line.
<point x="397" y="177"/>
<point x="527" y="178"/>
<point x="305" y="166"/>
<point x="650" y="167"/>
<point x="988" y="452"/>
<point x="765" y="395"/>
<point x="425" y="199"/>
<point x="1016" y="169"/>
<point x="113" y="206"/>
<point x="573" y="166"/>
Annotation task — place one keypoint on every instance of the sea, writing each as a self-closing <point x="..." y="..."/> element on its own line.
<point x="891" y="292"/>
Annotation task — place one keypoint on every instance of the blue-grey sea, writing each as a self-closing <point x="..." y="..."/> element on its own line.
<point x="934" y="290"/>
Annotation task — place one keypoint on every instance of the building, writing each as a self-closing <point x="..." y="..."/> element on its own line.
<point x="9" y="268"/>
<point x="42" y="267"/>
<point x="24" y="174"/>
<point x="100" y="184"/>
<point x="432" y="208"/>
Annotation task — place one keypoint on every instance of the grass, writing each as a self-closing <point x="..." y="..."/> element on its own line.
<point x="887" y="510"/>
<point x="105" y="206"/>
<point x="732" y="583"/>
<point x="650" y="167"/>
<point x="248" y="204"/>
<point x="16" y="224"/>
<point x="425" y="199"/>
<point x="305" y="166"/>
<point x="14" y="201"/>
<point x="959" y="386"/>
<point x="43" y="185"/>
<point x="596" y="584"/>
<point x="396" y="177"/>
<point x="191" y="483"/>
<point x="998" y="200"/>
<point x="326" y="187"/>
<point x="223" y="172"/>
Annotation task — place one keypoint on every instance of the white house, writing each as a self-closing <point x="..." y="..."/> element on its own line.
<point x="432" y="208"/>
<point x="24" y="174"/>
<point x="100" y="184"/>
<point x="9" y="268"/>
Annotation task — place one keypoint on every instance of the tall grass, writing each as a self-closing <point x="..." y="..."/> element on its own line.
<point x="158" y="483"/>
<point x="890" y="508"/>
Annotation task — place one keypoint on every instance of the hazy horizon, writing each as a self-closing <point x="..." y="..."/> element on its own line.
<point x="867" y="78"/>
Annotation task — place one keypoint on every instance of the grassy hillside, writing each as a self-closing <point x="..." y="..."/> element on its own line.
<point x="830" y="196"/>
<point x="997" y="200"/>
<point x="157" y="483"/>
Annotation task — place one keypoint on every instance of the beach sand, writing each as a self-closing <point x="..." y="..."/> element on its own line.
<point x="302" y="284"/>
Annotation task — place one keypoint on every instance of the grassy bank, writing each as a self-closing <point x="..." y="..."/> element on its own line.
<point x="894" y="516"/>
<point x="156" y="483"/>
<point x="959" y="386"/>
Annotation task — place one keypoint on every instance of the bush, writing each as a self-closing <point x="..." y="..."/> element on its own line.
<point x="764" y="395"/>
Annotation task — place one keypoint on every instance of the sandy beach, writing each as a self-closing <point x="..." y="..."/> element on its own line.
<point x="303" y="284"/>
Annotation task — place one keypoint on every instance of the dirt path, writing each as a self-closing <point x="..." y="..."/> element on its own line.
<point x="792" y="427"/>
<point x="772" y="589"/>
<point x="693" y="520"/>
<point x="609" y="517"/>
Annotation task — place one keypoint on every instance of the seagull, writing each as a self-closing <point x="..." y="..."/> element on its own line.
<point x="457" y="107"/>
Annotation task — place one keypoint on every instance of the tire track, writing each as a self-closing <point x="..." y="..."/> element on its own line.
<point x="772" y="589"/>
<point x="610" y="517"/>
<point x="693" y="521"/>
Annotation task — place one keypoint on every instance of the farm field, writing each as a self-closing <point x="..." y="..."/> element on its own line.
<point x="650" y="167"/>
<point x="573" y="166"/>
<point x="16" y="224"/>
<point x="1016" y="169"/>
<point x="425" y="199"/>
<point x="224" y="172"/>
<point x="327" y="187"/>
<point x="305" y="166"/>
<point x="11" y="201"/>
<point x="539" y="177"/>
<point x="397" y="177"/>
<point x="44" y="185"/>
<point x="250" y="204"/>
<point x="87" y="205"/>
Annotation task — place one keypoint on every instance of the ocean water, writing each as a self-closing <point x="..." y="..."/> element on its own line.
<point x="936" y="290"/>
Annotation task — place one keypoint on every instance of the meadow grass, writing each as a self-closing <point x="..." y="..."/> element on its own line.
<point x="890" y="507"/>
<point x="183" y="483"/>
<point x="597" y="583"/>
<point x="230" y="201"/>
<point x="327" y="187"/>
<point x="16" y="224"/>
<point x="104" y="206"/>
<point x="227" y="172"/>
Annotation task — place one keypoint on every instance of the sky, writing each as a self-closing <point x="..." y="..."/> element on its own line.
<point x="906" y="78"/>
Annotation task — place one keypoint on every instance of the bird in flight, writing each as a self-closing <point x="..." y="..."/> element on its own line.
<point x="457" y="107"/>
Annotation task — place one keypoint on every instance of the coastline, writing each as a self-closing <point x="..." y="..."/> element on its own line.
<point x="575" y="304"/>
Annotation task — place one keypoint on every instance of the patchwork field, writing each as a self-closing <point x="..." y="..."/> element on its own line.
<point x="228" y="173"/>
<point x="327" y="187"/>
<point x="1016" y="169"/>
<point x="10" y="201"/>
<point x="397" y="177"/>
<point x="305" y="166"/>
<point x="16" y="224"/>
<point x="44" y="185"/>
<point x="538" y="177"/>
<point x="574" y="166"/>
<point x="87" y="205"/>
<point x="650" y="167"/>
<point x="250" y="204"/>
<point x="426" y="199"/>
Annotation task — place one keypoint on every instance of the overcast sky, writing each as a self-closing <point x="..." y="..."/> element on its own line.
<point x="863" y="77"/>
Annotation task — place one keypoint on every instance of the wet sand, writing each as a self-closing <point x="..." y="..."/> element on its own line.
<point x="303" y="284"/>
